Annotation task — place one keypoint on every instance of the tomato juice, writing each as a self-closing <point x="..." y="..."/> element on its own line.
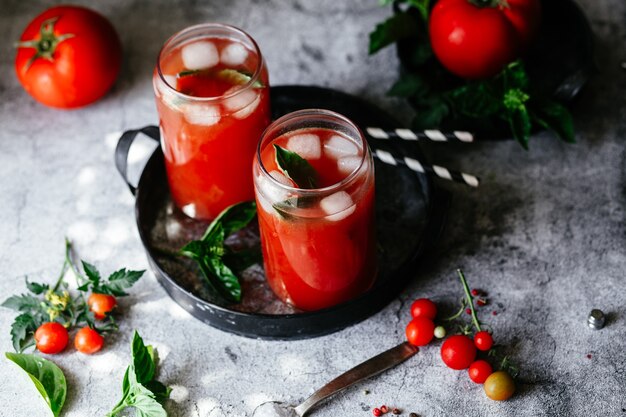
<point x="212" y="95"/>
<point x="318" y="244"/>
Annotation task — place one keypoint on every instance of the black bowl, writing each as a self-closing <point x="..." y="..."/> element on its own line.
<point x="410" y="215"/>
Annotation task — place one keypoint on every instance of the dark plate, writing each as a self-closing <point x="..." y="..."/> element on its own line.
<point x="410" y="215"/>
<point x="560" y="62"/>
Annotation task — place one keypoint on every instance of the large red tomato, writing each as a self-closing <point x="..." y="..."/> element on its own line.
<point x="477" y="38"/>
<point x="68" y="56"/>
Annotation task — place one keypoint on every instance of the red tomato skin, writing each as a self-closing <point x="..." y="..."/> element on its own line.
<point x="479" y="371"/>
<point x="477" y="42"/>
<point x="424" y="307"/>
<point x="84" y="67"/>
<point x="483" y="340"/>
<point x="458" y="352"/>
<point x="88" y="341"/>
<point x="420" y="331"/>
<point x="51" y="338"/>
<point x="101" y="304"/>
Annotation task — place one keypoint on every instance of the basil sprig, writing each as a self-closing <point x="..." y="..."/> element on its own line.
<point x="140" y="389"/>
<point x="47" y="377"/>
<point x="212" y="255"/>
<point x="439" y="97"/>
<point x="296" y="168"/>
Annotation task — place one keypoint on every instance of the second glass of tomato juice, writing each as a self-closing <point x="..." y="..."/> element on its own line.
<point x="212" y="95"/>
<point x="314" y="185"/>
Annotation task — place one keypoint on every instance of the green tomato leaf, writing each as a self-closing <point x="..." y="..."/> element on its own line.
<point x="423" y="6"/>
<point x="36" y="288"/>
<point x="118" y="281"/>
<point x="477" y="99"/>
<point x="92" y="273"/>
<point x="399" y="26"/>
<point x="232" y="219"/>
<point x="143" y="360"/>
<point x="295" y="167"/>
<point x="47" y="377"/>
<point x="23" y="332"/>
<point x="409" y="85"/>
<point x="430" y="113"/>
<point x="23" y="303"/>
<point x="555" y="117"/>
<point x="519" y="121"/>
<point x="515" y="76"/>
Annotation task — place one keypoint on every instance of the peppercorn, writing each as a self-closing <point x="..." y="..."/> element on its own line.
<point x="377" y="412"/>
<point x="396" y="411"/>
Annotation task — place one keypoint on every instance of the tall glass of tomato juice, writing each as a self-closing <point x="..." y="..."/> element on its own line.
<point x="212" y="95"/>
<point x="319" y="244"/>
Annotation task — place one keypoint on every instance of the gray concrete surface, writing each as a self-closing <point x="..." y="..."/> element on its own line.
<point x="544" y="234"/>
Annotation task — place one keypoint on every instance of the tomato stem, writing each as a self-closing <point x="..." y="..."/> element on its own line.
<point x="47" y="42"/>
<point x="458" y="313"/>
<point x="470" y="299"/>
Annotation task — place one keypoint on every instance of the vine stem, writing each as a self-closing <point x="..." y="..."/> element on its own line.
<point x="68" y="260"/>
<point x="63" y="271"/>
<point x="470" y="299"/>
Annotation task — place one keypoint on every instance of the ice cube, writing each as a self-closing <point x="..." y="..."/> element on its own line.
<point x="338" y="146"/>
<point x="281" y="178"/>
<point x="200" y="55"/>
<point x="242" y="104"/>
<point x="348" y="164"/>
<point x="234" y="54"/>
<point x="269" y="193"/>
<point x="202" y="114"/>
<point x="170" y="80"/>
<point x="337" y="206"/>
<point x="307" y="145"/>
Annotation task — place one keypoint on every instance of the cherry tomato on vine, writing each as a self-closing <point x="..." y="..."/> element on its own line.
<point x="476" y="38"/>
<point x="68" y="56"/>
<point x="499" y="386"/>
<point x="479" y="371"/>
<point x="458" y="352"/>
<point x="420" y="331"/>
<point x="483" y="340"/>
<point x="101" y="304"/>
<point x="51" y="337"/>
<point x="423" y="307"/>
<point x="88" y="341"/>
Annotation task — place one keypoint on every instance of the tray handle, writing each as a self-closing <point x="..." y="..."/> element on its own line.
<point x="123" y="146"/>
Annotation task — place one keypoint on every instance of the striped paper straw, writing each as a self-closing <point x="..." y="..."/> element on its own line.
<point x="415" y="165"/>
<point x="430" y="134"/>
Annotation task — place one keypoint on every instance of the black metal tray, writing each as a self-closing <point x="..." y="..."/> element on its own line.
<point x="410" y="214"/>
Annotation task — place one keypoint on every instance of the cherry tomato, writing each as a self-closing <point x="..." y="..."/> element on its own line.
<point x="474" y="41"/>
<point x="423" y="307"/>
<point x="499" y="386"/>
<point x="68" y="56"/>
<point x="483" y="340"/>
<point x="458" y="352"/>
<point x="479" y="371"/>
<point x="51" y="337"/>
<point x="101" y="304"/>
<point x="88" y="340"/>
<point x="420" y="331"/>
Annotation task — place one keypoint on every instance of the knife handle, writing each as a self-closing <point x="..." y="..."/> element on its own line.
<point x="373" y="366"/>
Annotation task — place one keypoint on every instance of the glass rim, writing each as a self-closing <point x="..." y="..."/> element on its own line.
<point x="313" y="112"/>
<point x="245" y="87"/>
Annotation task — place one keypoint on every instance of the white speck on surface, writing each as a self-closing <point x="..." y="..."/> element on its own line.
<point x="179" y="393"/>
<point x="86" y="176"/>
